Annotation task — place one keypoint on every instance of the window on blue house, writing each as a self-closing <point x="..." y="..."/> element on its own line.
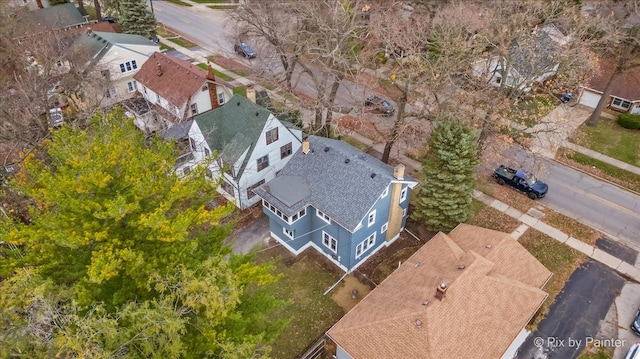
<point x="385" y="193"/>
<point x="384" y="227"/>
<point x="329" y="242"/>
<point x="372" y="218"/>
<point x="403" y="194"/>
<point x="323" y="216"/>
<point x="287" y="232"/>
<point x="365" y="245"/>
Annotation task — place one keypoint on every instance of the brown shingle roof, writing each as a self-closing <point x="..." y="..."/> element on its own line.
<point x="487" y="303"/>
<point x="178" y="81"/>
<point x="626" y="86"/>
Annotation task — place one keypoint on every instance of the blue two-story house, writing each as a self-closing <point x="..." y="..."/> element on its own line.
<point x="338" y="200"/>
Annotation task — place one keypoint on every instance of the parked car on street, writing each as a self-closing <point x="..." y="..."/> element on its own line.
<point x="521" y="180"/>
<point x="634" y="352"/>
<point x="379" y="105"/>
<point x="635" y="326"/>
<point x="244" y="50"/>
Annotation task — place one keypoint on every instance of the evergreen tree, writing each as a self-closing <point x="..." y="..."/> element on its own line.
<point x="445" y="198"/>
<point x="122" y="257"/>
<point x="135" y="18"/>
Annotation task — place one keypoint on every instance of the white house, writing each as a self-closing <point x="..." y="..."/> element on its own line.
<point x="181" y="89"/>
<point x="251" y="146"/>
<point x="531" y="60"/>
<point x="118" y="57"/>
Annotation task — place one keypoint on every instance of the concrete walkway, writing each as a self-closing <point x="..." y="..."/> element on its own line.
<point x="529" y="221"/>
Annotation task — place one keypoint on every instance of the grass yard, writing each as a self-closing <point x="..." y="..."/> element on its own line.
<point x="600" y="353"/>
<point x="240" y="90"/>
<point x="178" y="2"/>
<point x="164" y="47"/>
<point x="182" y="42"/>
<point x="488" y="217"/>
<point x="611" y="173"/>
<point x="218" y="74"/>
<point x="530" y="112"/>
<point x="355" y="143"/>
<point x="559" y="258"/>
<point x="571" y="227"/>
<point x="216" y="1"/>
<point x="610" y="139"/>
<point x="91" y="11"/>
<point x="303" y="282"/>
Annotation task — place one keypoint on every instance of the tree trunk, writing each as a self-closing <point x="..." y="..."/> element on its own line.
<point x="80" y="4"/>
<point x="604" y="100"/>
<point x="326" y="128"/>
<point x="96" y="4"/>
<point x="396" y="125"/>
<point x="320" y="88"/>
<point x="39" y="3"/>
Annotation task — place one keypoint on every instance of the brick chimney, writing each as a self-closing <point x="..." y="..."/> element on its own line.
<point x="251" y="93"/>
<point x="441" y="291"/>
<point x="212" y="87"/>
<point x="305" y="146"/>
<point x="158" y="69"/>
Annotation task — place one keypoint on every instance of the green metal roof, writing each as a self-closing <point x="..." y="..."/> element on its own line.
<point x="233" y="128"/>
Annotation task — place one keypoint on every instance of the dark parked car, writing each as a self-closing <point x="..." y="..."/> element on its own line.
<point x="635" y="326"/>
<point x="521" y="180"/>
<point x="244" y="50"/>
<point x="380" y="105"/>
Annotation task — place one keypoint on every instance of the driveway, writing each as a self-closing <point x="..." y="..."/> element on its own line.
<point x="627" y="304"/>
<point x="245" y="239"/>
<point x="574" y="319"/>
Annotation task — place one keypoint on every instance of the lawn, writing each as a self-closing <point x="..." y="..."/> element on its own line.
<point x="571" y="227"/>
<point x="218" y="74"/>
<point x="559" y="258"/>
<point x="355" y="143"/>
<point x="488" y="217"/>
<point x="178" y="2"/>
<point x="240" y="90"/>
<point x="303" y="282"/>
<point x="91" y="11"/>
<point x="610" y="139"/>
<point x="591" y="165"/>
<point x="216" y="1"/>
<point x="182" y="42"/>
<point x="529" y="112"/>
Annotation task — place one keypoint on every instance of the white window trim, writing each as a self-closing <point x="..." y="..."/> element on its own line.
<point x="287" y="232"/>
<point x="133" y="84"/>
<point x="370" y="221"/>
<point x="365" y="245"/>
<point x="385" y="193"/>
<point x="323" y="216"/>
<point x="403" y="195"/>
<point x="622" y="102"/>
<point x="221" y="99"/>
<point x="404" y="212"/>
<point x="331" y="240"/>
<point x="384" y="227"/>
<point x="290" y="220"/>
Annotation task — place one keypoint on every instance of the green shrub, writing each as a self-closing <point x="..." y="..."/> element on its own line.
<point x="629" y="120"/>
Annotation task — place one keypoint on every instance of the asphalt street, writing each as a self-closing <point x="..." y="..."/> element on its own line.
<point x="574" y="318"/>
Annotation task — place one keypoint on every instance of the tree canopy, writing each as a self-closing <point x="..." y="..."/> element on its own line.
<point x="135" y="18"/>
<point x="120" y="258"/>
<point x="444" y="200"/>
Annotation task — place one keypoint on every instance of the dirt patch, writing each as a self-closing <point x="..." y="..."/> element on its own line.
<point x="350" y="293"/>
<point x="230" y="64"/>
<point x="363" y="126"/>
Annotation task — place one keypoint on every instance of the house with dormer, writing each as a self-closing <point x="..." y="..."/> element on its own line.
<point x="467" y="295"/>
<point x="241" y="143"/>
<point x="116" y="58"/>
<point x="338" y="200"/>
<point x="181" y="89"/>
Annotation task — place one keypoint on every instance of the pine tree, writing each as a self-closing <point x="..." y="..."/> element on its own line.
<point x="119" y="248"/>
<point x="135" y="18"/>
<point x="445" y="198"/>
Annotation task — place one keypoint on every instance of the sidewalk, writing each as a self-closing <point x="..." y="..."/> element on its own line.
<point x="529" y="221"/>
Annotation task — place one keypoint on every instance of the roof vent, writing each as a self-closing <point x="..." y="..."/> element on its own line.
<point x="347" y="160"/>
<point x="326" y="149"/>
<point x="461" y="266"/>
<point x="488" y="246"/>
<point x="238" y="103"/>
<point x="425" y="302"/>
<point x="418" y="323"/>
<point x="417" y="264"/>
<point x="257" y="113"/>
<point x="373" y="175"/>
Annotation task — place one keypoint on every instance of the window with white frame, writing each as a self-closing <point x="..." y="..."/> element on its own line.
<point x="110" y="93"/>
<point x="285" y="150"/>
<point x="384" y="227"/>
<point x="385" y="193"/>
<point x="620" y="103"/>
<point x="131" y="86"/>
<point x="263" y="162"/>
<point x="204" y="88"/>
<point x="128" y="66"/>
<point x="206" y="152"/>
<point x="287" y="232"/>
<point x="403" y="195"/>
<point x="323" y="216"/>
<point x="365" y="245"/>
<point x="221" y="99"/>
<point x="272" y="136"/>
<point x="194" y="108"/>
<point x="329" y="242"/>
<point x="250" y="189"/>
<point x="404" y="212"/>
<point x="372" y="218"/>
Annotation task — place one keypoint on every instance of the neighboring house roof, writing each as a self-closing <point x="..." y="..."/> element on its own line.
<point x="56" y="17"/>
<point x="334" y="177"/>
<point x="96" y="43"/>
<point x="233" y="129"/>
<point x="533" y="55"/>
<point x="626" y="86"/>
<point x="174" y="79"/>
<point x="178" y="131"/>
<point x="486" y="305"/>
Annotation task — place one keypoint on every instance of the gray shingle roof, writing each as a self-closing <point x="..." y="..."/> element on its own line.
<point x="96" y="43"/>
<point x="178" y="131"/>
<point x="233" y="128"/>
<point x="57" y="17"/>
<point x="344" y="190"/>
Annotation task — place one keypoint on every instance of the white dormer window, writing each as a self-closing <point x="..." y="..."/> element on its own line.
<point x="372" y="218"/>
<point x="323" y="216"/>
<point x="403" y="195"/>
<point x="287" y="232"/>
<point x="385" y="193"/>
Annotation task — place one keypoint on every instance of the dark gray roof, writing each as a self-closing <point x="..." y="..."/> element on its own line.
<point x="534" y="54"/>
<point x="344" y="190"/>
<point x="233" y="128"/>
<point x="178" y="131"/>
<point x="57" y="17"/>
